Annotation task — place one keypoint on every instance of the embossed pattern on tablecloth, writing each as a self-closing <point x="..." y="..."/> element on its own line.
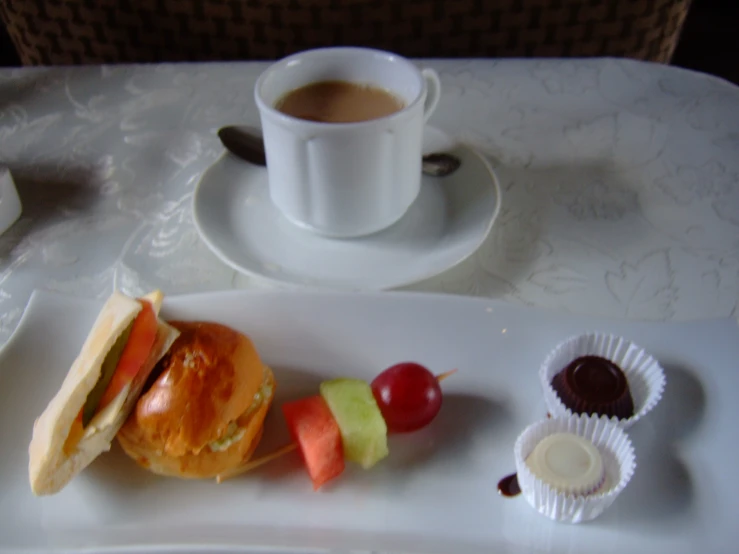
<point x="620" y="182"/>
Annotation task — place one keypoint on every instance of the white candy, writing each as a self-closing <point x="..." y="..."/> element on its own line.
<point x="568" y="463"/>
<point x="617" y="455"/>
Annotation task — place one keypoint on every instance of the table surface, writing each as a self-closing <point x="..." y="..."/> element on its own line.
<point x="620" y="182"/>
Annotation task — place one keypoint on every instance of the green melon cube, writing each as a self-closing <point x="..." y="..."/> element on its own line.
<point x="363" y="429"/>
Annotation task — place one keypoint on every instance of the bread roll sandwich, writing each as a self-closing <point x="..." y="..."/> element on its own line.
<point x="99" y="391"/>
<point x="204" y="412"/>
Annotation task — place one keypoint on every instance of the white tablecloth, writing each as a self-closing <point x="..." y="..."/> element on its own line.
<point x="620" y="182"/>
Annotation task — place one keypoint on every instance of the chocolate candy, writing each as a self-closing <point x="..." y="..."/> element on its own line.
<point x="594" y="385"/>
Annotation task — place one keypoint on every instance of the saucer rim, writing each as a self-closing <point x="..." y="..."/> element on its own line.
<point x="323" y="285"/>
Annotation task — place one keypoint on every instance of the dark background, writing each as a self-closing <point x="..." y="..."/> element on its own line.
<point x="709" y="41"/>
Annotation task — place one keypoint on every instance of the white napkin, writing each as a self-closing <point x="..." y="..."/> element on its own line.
<point x="10" y="204"/>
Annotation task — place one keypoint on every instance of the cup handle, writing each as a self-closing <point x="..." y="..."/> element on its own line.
<point x="433" y="92"/>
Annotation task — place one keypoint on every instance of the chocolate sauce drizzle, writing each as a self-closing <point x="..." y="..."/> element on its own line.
<point x="508" y="486"/>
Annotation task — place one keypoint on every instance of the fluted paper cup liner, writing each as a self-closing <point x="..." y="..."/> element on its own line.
<point x="619" y="463"/>
<point x="644" y="375"/>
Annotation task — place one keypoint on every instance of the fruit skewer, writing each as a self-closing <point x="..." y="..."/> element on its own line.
<point x="350" y="419"/>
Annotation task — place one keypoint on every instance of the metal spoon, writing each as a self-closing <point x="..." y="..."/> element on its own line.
<point x="246" y="143"/>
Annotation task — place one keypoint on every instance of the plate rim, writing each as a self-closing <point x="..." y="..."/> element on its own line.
<point x="401" y="294"/>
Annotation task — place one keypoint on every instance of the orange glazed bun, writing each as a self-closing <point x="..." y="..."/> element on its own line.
<point x="204" y="413"/>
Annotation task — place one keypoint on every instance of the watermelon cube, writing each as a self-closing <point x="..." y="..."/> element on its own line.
<point x="317" y="434"/>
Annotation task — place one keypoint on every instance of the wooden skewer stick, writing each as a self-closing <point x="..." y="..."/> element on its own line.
<point x="253" y="464"/>
<point x="441" y="376"/>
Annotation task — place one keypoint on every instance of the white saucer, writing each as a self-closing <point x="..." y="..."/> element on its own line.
<point x="449" y="220"/>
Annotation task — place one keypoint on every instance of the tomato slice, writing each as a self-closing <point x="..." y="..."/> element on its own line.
<point x="135" y="353"/>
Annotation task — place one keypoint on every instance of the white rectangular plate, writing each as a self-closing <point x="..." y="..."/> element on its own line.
<point x="437" y="490"/>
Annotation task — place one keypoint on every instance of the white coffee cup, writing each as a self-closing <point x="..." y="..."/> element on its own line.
<point x="345" y="179"/>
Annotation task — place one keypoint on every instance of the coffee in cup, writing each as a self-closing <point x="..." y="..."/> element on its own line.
<point x="339" y="102"/>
